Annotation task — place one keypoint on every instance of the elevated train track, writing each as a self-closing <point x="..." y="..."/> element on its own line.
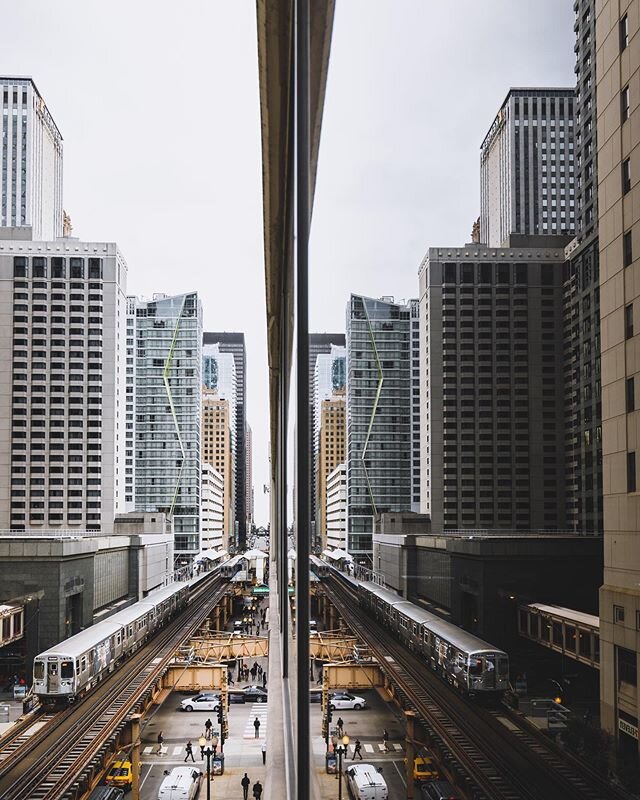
<point x="500" y="757"/>
<point x="59" y="761"/>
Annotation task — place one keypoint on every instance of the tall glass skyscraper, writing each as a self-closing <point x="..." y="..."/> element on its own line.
<point x="382" y="404"/>
<point x="168" y="391"/>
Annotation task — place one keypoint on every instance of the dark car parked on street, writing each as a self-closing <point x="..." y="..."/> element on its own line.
<point x="255" y="694"/>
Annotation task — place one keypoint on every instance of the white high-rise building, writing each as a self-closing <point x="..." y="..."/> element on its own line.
<point x="62" y="401"/>
<point x="31" y="164"/>
<point x="337" y="508"/>
<point x="212" y="536"/>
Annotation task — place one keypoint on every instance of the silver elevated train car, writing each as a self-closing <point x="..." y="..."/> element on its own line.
<point x="70" y="669"/>
<point x="468" y="663"/>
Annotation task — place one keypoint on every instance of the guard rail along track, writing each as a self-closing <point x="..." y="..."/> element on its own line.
<point x="52" y="764"/>
<point x="498" y="763"/>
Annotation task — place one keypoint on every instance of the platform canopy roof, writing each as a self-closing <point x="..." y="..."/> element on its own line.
<point x="254" y="554"/>
<point x="337" y="554"/>
<point x="211" y="555"/>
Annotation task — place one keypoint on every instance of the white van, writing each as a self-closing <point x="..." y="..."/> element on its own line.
<point x="366" y="783"/>
<point x="182" y="783"/>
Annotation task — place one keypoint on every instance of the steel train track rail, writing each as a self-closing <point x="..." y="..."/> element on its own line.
<point x="24" y="732"/>
<point x="52" y="767"/>
<point x="503" y="764"/>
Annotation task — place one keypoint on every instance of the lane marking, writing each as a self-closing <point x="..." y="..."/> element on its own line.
<point x="400" y="773"/>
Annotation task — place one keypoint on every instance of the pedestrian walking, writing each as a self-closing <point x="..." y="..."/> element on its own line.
<point x="340" y="724"/>
<point x="357" y="750"/>
<point x="259" y="670"/>
<point x="207" y="727"/>
<point x="189" y="749"/>
<point x="245" y="783"/>
<point x="160" y="741"/>
<point x="253" y="673"/>
<point x="264" y="680"/>
<point x="256" y="726"/>
<point x="264" y="752"/>
<point x="257" y="790"/>
<point x="385" y="740"/>
<point x="229" y="677"/>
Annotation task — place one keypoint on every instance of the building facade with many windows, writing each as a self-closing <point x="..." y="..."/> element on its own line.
<point x="234" y="344"/>
<point x="527" y="167"/>
<point x="332" y="446"/>
<point x="217" y="452"/>
<point x="168" y="388"/>
<point x="31" y="165"/>
<point x="337" y="508"/>
<point x="492" y="388"/>
<point x="382" y="406"/>
<point x="62" y="411"/>
<point x="618" y="112"/>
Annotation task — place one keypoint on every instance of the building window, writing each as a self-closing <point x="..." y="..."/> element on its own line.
<point x="626" y="176"/>
<point x="628" y="321"/>
<point x="624" y="32"/>
<point x="19" y="267"/>
<point x="631" y="472"/>
<point x="627" y="666"/>
<point x="618" y="614"/>
<point x="624" y="104"/>
<point x="627" y="249"/>
<point x="631" y="394"/>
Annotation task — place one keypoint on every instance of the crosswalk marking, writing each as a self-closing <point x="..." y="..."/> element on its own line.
<point x="368" y="748"/>
<point x="382" y="748"/>
<point x="147" y="750"/>
<point x="177" y="750"/>
<point x="258" y="710"/>
<point x="398" y="746"/>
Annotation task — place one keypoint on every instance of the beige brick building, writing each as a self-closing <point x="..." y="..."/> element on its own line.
<point x="217" y="452"/>
<point x="618" y="133"/>
<point x="332" y="451"/>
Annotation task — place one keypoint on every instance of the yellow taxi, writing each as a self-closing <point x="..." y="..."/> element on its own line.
<point x="424" y="769"/>
<point x="120" y="774"/>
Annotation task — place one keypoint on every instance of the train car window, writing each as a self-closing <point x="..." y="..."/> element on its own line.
<point x="475" y="666"/>
<point x="77" y="667"/>
<point x="118" y="637"/>
<point x="66" y="669"/>
<point x="84" y="663"/>
<point x="52" y="668"/>
<point x="503" y="666"/>
<point x="38" y="671"/>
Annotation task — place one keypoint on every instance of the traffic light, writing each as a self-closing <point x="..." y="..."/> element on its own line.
<point x="329" y="715"/>
<point x="220" y="715"/>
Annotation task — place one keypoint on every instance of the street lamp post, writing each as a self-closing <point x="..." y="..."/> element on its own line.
<point x="206" y="750"/>
<point x="341" y="749"/>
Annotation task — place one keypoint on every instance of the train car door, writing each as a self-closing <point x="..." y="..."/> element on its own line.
<point x="53" y="676"/>
<point x="489" y="672"/>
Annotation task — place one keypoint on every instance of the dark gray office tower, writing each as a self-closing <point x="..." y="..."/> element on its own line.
<point x="492" y="386"/>
<point x="234" y="343"/>
<point x="383" y="393"/>
<point x="582" y="299"/>
<point x="527" y="167"/>
<point x="318" y="343"/>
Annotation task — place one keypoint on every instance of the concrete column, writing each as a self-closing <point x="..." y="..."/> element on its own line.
<point x="135" y="756"/>
<point x="410" y="734"/>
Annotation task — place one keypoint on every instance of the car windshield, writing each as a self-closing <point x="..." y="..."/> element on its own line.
<point x="119" y="772"/>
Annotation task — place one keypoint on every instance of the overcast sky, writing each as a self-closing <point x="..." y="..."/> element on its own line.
<point x="157" y="102"/>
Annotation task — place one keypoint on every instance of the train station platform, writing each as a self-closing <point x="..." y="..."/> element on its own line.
<point x="574" y="634"/>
